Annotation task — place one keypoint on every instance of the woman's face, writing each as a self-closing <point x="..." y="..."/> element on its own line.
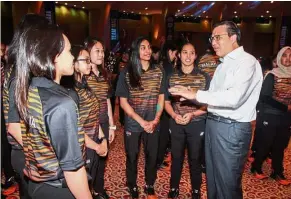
<point x="286" y="58"/>
<point x="125" y="57"/>
<point x="188" y="55"/>
<point x="172" y="55"/>
<point x="145" y="51"/>
<point x="64" y="61"/>
<point x="274" y="63"/>
<point x="82" y="64"/>
<point x="97" y="54"/>
<point x="156" y="56"/>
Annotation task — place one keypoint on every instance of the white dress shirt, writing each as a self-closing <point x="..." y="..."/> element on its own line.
<point x="235" y="88"/>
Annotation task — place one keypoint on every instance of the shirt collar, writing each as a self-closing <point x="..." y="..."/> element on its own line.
<point x="193" y="72"/>
<point x="235" y="53"/>
<point x="46" y="83"/>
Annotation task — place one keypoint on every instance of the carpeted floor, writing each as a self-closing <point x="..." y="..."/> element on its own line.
<point x="253" y="188"/>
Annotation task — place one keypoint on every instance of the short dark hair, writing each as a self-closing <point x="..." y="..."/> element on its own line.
<point x="155" y="49"/>
<point x="231" y="28"/>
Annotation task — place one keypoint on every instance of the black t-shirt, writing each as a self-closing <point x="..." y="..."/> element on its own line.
<point x="11" y="114"/>
<point x="143" y="100"/>
<point x="54" y="132"/>
<point x="89" y="110"/>
<point x="102" y="91"/>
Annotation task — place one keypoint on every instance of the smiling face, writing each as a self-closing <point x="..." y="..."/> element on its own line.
<point x="188" y="55"/>
<point x="286" y="58"/>
<point x="97" y="54"/>
<point x="221" y="42"/>
<point x="145" y="51"/>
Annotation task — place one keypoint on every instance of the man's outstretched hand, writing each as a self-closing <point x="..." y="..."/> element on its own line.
<point x="184" y="92"/>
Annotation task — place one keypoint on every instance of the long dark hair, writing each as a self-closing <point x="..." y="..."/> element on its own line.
<point x="134" y="65"/>
<point x="38" y="48"/>
<point x="27" y="21"/>
<point x="179" y="63"/>
<point x="88" y="44"/>
<point x="165" y="51"/>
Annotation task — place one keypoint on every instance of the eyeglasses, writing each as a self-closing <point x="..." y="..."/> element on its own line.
<point x="88" y="61"/>
<point x="216" y="37"/>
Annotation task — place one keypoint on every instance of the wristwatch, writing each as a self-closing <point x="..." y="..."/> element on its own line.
<point x="112" y="127"/>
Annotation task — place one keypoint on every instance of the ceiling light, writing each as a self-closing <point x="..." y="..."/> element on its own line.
<point x="234" y="12"/>
<point x="267" y="11"/>
<point x="146" y="8"/>
<point x="139" y="13"/>
<point x="206" y="16"/>
<point x="213" y="3"/>
<point x="240" y="3"/>
<point x="66" y="4"/>
<point x="191" y="15"/>
<point x="83" y="1"/>
<point x="262" y="15"/>
<point x="83" y="7"/>
<point x="183" y="15"/>
<point x="183" y="2"/>
<point x="123" y="10"/>
<point x="204" y="11"/>
<point x="175" y="15"/>
<point x="272" y="1"/>
<point x="74" y="5"/>
<point x="199" y="16"/>
<point x="270" y="16"/>
<point x="147" y="13"/>
<point x="178" y="10"/>
<point x="131" y="11"/>
<point x="57" y="2"/>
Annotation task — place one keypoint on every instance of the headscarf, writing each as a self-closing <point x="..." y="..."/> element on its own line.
<point x="282" y="71"/>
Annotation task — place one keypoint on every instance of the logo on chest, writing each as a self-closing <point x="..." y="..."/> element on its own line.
<point x="32" y="122"/>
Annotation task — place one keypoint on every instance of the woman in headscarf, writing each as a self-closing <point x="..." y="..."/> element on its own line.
<point x="276" y="121"/>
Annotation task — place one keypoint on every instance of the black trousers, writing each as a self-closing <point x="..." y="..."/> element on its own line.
<point x="132" y="142"/>
<point x="44" y="191"/>
<point x="274" y="136"/>
<point x="99" y="183"/>
<point x="190" y="135"/>
<point x="112" y="101"/>
<point x="164" y="137"/>
<point x="258" y="130"/>
<point x="92" y="167"/>
<point x="226" y="149"/>
<point x="18" y="161"/>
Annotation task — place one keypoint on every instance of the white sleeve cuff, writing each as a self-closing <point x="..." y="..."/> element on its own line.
<point x="202" y="96"/>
